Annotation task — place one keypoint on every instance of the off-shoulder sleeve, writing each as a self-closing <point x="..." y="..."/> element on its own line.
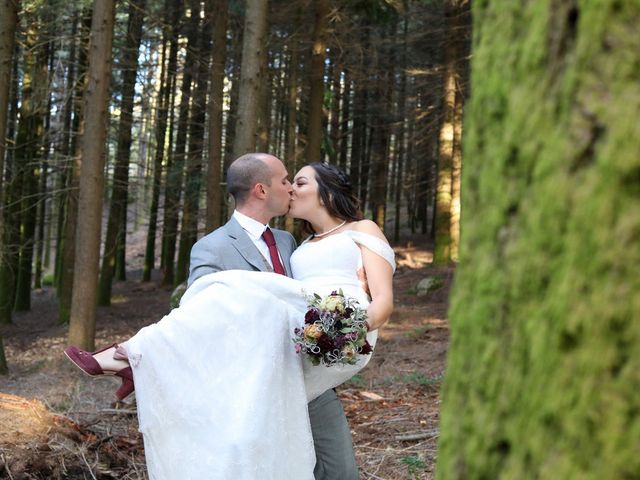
<point x="375" y="244"/>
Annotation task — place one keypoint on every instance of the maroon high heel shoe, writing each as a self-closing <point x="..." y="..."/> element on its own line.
<point x="89" y="365"/>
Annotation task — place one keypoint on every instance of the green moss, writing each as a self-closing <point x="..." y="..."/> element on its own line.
<point x="176" y="295"/>
<point x="544" y="363"/>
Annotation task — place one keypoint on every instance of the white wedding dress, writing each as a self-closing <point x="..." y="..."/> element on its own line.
<point x="221" y="393"/>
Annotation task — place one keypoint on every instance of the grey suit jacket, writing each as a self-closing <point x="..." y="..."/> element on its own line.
<point x="230" y="248"/>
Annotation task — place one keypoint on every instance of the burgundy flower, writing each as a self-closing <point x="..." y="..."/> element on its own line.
<point x="366" y="348"/>
<point x="325" y="342"/>
<point x="339" y="341"/>
<point x="311" y="316"/>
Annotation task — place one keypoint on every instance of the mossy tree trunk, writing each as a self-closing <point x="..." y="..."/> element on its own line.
<point x="544" y="366"/>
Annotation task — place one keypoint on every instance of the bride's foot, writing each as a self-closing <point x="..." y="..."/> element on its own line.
<point x="102" y="362"/>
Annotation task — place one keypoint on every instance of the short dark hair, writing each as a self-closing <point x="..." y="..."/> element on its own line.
<point x="336" y="193"/>
<point x="244" y="173"/>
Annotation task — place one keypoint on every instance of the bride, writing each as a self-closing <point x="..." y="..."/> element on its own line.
<point x="221" y="392"/>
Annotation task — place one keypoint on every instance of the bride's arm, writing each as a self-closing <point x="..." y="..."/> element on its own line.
<point x="379" y="274"/>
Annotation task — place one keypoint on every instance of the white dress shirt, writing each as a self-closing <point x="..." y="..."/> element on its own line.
<point x="255" y="229"/>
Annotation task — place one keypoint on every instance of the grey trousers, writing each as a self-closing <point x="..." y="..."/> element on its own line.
<point x="335" y="459"/>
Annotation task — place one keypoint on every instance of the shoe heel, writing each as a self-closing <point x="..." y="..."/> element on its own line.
<point x="127" y="386"/>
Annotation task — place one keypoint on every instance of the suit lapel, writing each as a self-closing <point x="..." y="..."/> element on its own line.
<point x="244" y="245"/>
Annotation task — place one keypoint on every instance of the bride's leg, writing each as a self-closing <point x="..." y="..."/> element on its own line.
<point x="111" y="359"/>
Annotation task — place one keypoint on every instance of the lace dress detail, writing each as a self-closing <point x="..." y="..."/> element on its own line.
<point x="220" y="391"/>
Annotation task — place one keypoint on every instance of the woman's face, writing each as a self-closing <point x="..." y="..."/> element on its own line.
<point x="305" y="199"/>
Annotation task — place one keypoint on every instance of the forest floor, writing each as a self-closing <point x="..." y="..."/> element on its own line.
<point x="57" y="423"/>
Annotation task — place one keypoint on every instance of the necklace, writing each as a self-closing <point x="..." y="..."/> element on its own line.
<point x="331" y="230"/>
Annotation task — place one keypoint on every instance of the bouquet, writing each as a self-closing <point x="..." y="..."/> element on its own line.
<point x="334" y="332"/>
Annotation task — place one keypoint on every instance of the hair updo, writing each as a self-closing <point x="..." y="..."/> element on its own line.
<point x="336" y="193"/>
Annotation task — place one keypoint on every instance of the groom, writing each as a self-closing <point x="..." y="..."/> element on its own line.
<point x="259" y="184"/>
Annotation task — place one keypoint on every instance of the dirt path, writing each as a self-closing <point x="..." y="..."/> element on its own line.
<point x="71" y="428"/>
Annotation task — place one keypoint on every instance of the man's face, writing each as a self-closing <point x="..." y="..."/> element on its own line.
<point x="279" y="192"/>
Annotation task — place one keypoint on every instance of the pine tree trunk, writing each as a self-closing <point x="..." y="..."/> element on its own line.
<point x="315" y="118"/>
<point x="193" y="173"/>
<point x="92" y="147"/>
<point x="264" y="108"/>
<point x="218" y="12"/>
<point x="234" y="96"/>
<point x="65" y="283"/>
<point x="442" y="251"/>
<point x="175" y="172"/>
<point x="401" y="132"/>
<point x="167" y="79"/>
<point x="8" y="23"/>
<point x="336" y="98"/>
<point x="344" y="124"/>
<point x="28" y="155"/>
<point x="254" y="52"/>
<point x="291" y="137"/>
<point x="63" y="149"/>
<point x="41" y="196"/>
<point x="542" y="373"/>
<point x="358" y="136"/>
<point x="456" y="170"/>
<point x="380" y="137"/>
<point x="117" y="222"/>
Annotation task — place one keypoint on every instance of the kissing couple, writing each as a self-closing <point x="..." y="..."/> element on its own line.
<point x="221" y="392"/>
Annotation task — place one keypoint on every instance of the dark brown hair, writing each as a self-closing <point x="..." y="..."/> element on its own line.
<point x="336" y="193"/>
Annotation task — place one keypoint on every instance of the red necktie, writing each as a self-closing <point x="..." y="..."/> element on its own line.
<point x="267" y="236"/>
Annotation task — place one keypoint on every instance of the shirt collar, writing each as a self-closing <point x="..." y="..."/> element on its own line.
<point x="254" y="228"/>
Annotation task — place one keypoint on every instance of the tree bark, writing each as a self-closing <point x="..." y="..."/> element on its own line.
<point x="218" y="11"/>
<point x="333" y="146"/>
<point x="291" y="137"/>
<point x="8" y="23"/>
<point x="175" y="172"/>
<point x="28" y="153"/>
<point x="344" y="124"/>
<point x="401" y="131"/>
<point x="167" y="79"/>
<point x="117" y="222"/>
<point x="193" y="173"/>
<point x="85" y="281"/>
<point x="254" y="51"/>
<point x="63" y="149"/>
<point x="65" y="283"/>
<point x="315" y="130"/>
<point x="542" y="371"/>
<point x="442" y="251"/>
